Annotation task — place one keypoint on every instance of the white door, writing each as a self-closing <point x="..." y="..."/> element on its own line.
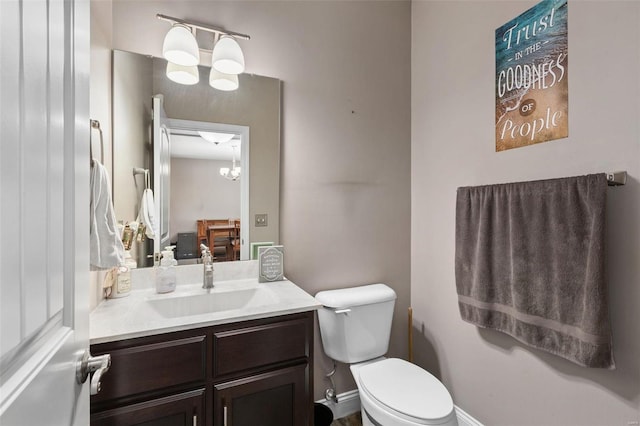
<point x="44" y="210"/>
<point x="161" y="174"/>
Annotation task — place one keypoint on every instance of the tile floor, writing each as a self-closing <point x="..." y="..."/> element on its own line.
<point x="352" y="420"/>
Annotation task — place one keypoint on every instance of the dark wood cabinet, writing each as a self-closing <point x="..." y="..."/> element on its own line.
<point x="276" y="398"/>
<point x="184" y="409"/>
<point x="257" y="373"/>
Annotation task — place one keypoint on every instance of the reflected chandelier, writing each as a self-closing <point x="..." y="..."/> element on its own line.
<point x="232" y="173"/>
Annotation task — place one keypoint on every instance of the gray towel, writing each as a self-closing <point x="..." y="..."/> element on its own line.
<point x="530" y="263"/>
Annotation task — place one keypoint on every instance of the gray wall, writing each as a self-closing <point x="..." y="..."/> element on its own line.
<point x="345" y="178"/>
<point x="203" y="194"/>
<point x="492" y="376"/>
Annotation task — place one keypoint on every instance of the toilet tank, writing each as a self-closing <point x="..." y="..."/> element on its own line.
<point x="355" y="322"/>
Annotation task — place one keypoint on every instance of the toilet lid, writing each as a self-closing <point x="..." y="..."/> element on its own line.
<point x="406" y="388"/>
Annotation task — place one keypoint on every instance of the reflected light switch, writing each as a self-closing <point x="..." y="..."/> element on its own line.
<point x="261" y="219"/>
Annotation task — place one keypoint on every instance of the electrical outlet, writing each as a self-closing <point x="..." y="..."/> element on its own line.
<point x="261" y="219"/>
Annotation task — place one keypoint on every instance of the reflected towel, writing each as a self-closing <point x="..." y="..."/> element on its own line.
<point x="105" y="244"/>
<point x="146" y="214"/>
<point x="530" y="263"/>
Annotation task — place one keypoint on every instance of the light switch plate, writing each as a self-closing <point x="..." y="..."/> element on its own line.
<point x="261" y="219"/>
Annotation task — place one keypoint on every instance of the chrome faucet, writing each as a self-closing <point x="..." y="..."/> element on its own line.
<point x="207" y="261"/>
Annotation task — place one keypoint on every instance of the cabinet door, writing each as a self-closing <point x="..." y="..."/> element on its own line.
<point x="277" y="398"/>
<point x="184" y="409"/>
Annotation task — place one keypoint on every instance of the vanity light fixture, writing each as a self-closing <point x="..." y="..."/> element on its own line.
<point x="221" y="81"/>
<point x="227" y="57"/>
<point x="232" y="173"/>
<point x="227" y="60"/>
<point x="180" y="46"/>
<point x="183" y="75"/>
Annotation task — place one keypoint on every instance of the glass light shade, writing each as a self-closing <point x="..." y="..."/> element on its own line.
<point x="230" y="174"/>
<point x="183" y="75"/>
<point x="180" y="46"/>
<point x="227" y="57"/>
<point x="221" y="81"/>
<point x="216" y="137"/>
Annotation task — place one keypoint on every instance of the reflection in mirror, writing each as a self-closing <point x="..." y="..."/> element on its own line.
<point x="215" y="156"/>
<point x="252" y="110"/>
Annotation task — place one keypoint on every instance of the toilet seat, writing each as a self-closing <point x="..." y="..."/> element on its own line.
<point x="407" y="390"/>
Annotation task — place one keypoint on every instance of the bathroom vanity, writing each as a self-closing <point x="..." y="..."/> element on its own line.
<point x="240" y="354"/>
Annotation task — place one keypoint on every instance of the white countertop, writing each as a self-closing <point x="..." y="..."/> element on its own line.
<point x="137" y="315"/>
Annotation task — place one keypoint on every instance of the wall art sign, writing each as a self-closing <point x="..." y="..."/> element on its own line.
<point x="270" y="264"/>
<point x="532" y="103"/>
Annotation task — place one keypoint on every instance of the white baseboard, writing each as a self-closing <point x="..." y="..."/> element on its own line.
<point x="464" y="419"/>
<point x="349" y="403"/>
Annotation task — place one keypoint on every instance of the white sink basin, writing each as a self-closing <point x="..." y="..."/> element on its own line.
<point x="212" y="302"/>
<point x="237" y="296"/>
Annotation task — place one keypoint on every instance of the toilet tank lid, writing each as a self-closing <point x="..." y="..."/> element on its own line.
<point x="356" y="296"/>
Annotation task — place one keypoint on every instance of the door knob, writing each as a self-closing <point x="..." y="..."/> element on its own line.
<point x="96" y="365"/>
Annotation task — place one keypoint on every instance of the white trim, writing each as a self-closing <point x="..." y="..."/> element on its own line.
<point x="348" y="403"/>
<point x="464" y="419"/>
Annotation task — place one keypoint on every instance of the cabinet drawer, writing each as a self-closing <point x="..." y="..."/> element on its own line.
<point x="151" y="366"/>
<point x="256" y="347"/>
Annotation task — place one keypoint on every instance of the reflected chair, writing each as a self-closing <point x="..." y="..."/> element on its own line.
<point x="218" y="235"/>
<point x="235" y="238"/>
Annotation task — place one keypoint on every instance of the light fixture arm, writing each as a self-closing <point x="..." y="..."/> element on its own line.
<point x="202" y="27"/>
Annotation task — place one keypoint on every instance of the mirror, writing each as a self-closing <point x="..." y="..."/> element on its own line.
<point x="196" y="189"/>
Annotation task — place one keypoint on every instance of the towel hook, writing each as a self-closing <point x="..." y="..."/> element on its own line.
<point x="95" y="124"/>
<point x="145" y="172"/>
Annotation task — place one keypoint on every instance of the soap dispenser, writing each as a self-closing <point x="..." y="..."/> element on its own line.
<point x="166" y="273"/>
<point x="122" y="285"/>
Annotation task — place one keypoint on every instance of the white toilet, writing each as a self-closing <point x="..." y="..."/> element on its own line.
<point x="355" y="324"/>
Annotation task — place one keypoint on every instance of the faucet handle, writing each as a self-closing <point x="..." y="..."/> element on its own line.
<point x="205" y="250"/>
<point x="206" y="254"/>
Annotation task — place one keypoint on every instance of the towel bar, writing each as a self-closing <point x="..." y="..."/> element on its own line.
<point x="617" y="178"/>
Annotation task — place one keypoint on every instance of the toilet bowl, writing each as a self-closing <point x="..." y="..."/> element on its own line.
<point x="355" y="326"/>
